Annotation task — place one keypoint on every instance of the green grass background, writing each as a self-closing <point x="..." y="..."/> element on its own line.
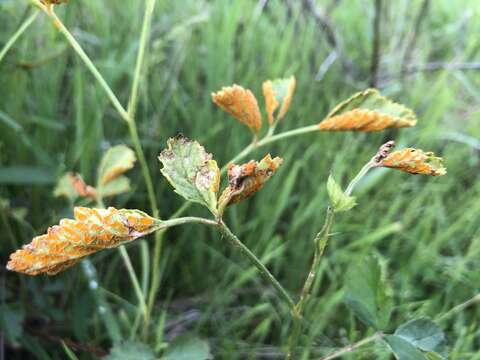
<point x="55" y="118"/>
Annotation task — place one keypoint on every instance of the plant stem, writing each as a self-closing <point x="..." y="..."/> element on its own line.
<point x="320" y="242"/>
<point x="84" y="57"/>
<point x="267" y="275"/>
<point x="287" y="134"/>
<point x="134" y="280"/>
<point x="25" y="25"/>
<point x="363" y="171"/>
<point x="352" y="347"/>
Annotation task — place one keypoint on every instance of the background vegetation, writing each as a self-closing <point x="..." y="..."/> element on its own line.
<point x="54" y="117"/>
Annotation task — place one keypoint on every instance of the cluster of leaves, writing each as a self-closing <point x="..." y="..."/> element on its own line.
<point x="195" y="176"/>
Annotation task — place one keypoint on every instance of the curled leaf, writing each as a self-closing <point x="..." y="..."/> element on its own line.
<point x="278" y="92"/>
<point x="67" y="243"/>
<point x="244" y="180"/>
<point x="368" y="111"/>
<point x="414" y="161"/>
<point x="191" y="171"/>
<point x="117" y="160"/>
<point x="241" y="104"/>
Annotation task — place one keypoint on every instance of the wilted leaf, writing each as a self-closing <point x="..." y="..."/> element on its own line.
<point x="115" y="162"/>
<point x="92" y="230"/>
<point x="366" y="293"/>
<point x="191" y="171"/>
<point x="130" y="350"/>
<point x="415" y="161"/>
<point x="241" y="104"/>
<point x="278" y="92"/>
<point x="424" y="334"/>
<point x="368" y="111"/>
<point x="244" y="180"/>
<point x="339" y="200"/>
<point x="188" y="347"/>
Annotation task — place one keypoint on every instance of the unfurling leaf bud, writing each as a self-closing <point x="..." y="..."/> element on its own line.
<point x="338" y="199"/>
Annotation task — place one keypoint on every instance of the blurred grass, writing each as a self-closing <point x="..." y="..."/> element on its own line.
<point x="54" y="117"/>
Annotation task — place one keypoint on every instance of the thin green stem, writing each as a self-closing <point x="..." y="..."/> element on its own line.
<point x="352" y="347"/>
<point x="266" y="274"/>
<point x="287" y="134"/>
<point x="321" y="242"/>
<point x="359" y="176"/>
<point x="25" y="25"/>
<point x="84" y="57"/>
<point x="458" y="308"/>
<point x="134" y="280"/>
<point x="144" y="38"/>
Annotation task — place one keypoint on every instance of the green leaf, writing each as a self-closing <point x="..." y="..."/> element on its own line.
<point x="115" y="162"/>
<point x="366" y="293"/>
<point x="339" y="200"/>
<point x="424" y="334"/>
<point x="11" y="321"/>
<point x="402" y="349"/>
<point x="191" y="171"/>
<point x="188" y="347"/>
<point x="371" y="99"/>
<point x="65" y="188"/>
<point x="130" y="350"/>
<point x="114" y="187"/>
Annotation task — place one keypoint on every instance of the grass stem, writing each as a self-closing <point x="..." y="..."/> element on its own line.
<point x="16" y="35"/>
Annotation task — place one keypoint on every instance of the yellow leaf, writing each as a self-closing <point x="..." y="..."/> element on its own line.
<point x="244" y="180"/>
<point x="278" y="92"/>
<point x="241" y="104"/>
<point x="368" y="111"/>
<point x="92" y="230"/>
<point x="414" y="161"/>
<point x="117" y="160"/>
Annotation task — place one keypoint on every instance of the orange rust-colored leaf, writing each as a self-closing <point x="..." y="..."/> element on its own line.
<point x="415" y="161"/>
<point x="363" y="120"/>
<point x="241" y="104"/>
<point x="67" y="243"/>
<point x="244" y="180"/>
<point x="81" y="187"/>
<point x="368" y="111"/>
<point x="277" y="93"/>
